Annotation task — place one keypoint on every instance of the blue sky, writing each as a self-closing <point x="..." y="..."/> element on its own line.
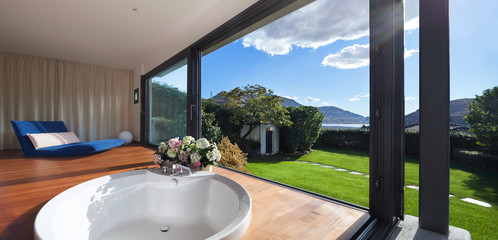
<point x="320" y="60"/>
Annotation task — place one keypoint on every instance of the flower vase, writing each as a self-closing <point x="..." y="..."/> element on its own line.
<point x="208" y="168"/>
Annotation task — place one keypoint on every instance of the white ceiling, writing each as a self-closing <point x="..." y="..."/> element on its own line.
<point x="109" y="32"/>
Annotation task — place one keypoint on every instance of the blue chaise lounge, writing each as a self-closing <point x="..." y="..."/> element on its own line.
<point x="23" y="128"/>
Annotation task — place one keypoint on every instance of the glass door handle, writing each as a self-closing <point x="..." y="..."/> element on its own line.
<point x="191" y="111"/>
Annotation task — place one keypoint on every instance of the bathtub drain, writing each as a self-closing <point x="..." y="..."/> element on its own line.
<point x="164" y="228"/>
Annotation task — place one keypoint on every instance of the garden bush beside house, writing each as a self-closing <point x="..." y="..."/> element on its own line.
<point x="232" y="156"/>
<point x="304" y="131"/>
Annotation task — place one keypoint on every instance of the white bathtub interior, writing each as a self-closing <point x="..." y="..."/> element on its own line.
<point x="136" y="204"/>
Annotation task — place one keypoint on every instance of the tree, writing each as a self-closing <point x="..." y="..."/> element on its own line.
<point x="483" y="119"/>
<point x="253" y="105"/>
<point x="222" y="118"/>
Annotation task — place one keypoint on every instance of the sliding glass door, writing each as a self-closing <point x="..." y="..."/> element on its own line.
<point x="167" y="104"/>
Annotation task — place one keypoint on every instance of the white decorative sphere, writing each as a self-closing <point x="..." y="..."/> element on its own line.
<point x="126" y="136"/>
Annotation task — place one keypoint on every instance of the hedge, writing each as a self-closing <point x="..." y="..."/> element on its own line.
<point x="476" y="159"/>
<point x="359" y="139"/>
<point x="344" y="138"/>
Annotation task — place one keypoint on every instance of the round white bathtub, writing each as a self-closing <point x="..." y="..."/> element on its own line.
<point x="137" y="204"/>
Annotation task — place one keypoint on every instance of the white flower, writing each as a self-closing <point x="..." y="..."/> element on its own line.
<point x="218" y="154"/>
<point x="195" y="157"/>
<point x="162" y="147"/>
<point x="214" y="155"/>
<point x="211" y="156"/>
<point x="171" y="153"/>
<point x="202" y="143"/>
<point x="188" y="140"/>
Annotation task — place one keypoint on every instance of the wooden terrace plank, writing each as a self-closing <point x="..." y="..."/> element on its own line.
<point x="27" y="183"/>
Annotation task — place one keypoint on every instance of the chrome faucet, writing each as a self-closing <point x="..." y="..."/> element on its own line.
<point x="181" y="167"/>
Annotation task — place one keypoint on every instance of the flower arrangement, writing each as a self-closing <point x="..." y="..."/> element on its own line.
<point x="188" y="152"/>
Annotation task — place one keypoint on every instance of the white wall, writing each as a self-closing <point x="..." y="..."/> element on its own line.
<point x="258" y="134"/>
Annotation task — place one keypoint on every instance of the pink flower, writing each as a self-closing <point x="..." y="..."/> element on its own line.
<point x="176" y="149"/>
<point x="184" y="156"/>
<point x="197" y="164"/>
<point x="157" y="158"/>
<point x="174" y="142"/>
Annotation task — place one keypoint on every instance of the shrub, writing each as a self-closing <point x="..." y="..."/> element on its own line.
<point x="345" y="138"/>
<point x="232" y="156"/>
<point x="304" y="131"/>
<point x="476" y="159"/>
<point x="210" y="129"/>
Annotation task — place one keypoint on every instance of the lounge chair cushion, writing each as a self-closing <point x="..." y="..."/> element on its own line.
<point x="43" y="140"/>
<point x="22" y="128"/>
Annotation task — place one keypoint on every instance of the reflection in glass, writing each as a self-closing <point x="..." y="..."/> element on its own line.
<point x="168" y="103"/>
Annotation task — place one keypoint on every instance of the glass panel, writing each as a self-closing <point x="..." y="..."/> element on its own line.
<point x="316" y="60"/>
<point x="168" y="103"/>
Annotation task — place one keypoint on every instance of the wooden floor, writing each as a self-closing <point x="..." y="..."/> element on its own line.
<point x="26" y="184"/>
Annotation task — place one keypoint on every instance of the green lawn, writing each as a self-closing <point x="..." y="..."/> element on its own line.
<point x="481" y="222"/>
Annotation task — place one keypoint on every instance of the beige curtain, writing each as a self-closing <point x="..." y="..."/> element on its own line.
<point x="95" y="102"/>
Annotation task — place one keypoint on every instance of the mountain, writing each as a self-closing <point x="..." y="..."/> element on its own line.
<point x="458" y="109"/>
<point x="290" y="102"/>
<point x="336" y="115"/>
<point x="331" y="114"/>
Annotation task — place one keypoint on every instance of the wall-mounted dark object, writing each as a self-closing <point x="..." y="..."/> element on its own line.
<point x="135" y="96"/>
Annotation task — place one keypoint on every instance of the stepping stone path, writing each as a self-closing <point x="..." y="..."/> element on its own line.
<point x="341" y="170"/>
<point x="469" y="200"/>
<point x="480" y="203"/>
<point x="413" y="187"/>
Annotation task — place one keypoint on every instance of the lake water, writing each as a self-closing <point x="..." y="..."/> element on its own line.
<point x="342" y="125"/>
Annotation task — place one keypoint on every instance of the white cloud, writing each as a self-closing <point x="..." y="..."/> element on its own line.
<point x="325" y="103"/>
<point x="289" y="97"/>
<point x="409" y="98"/>
<point x="351" y="57"/>
<point x="363" y="96"/>
<point x="355" y="56"/>
<point x="354" y="99"/>
<point x="410" y="52"/>
<point x="411" y="15"/>
<point x="319" y="24"/>
<point x="310" y="99"/>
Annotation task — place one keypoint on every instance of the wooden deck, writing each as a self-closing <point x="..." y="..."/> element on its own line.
<point x="26" y="184"/>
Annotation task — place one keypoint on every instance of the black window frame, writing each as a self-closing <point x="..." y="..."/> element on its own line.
<point x="386" y="105"/>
